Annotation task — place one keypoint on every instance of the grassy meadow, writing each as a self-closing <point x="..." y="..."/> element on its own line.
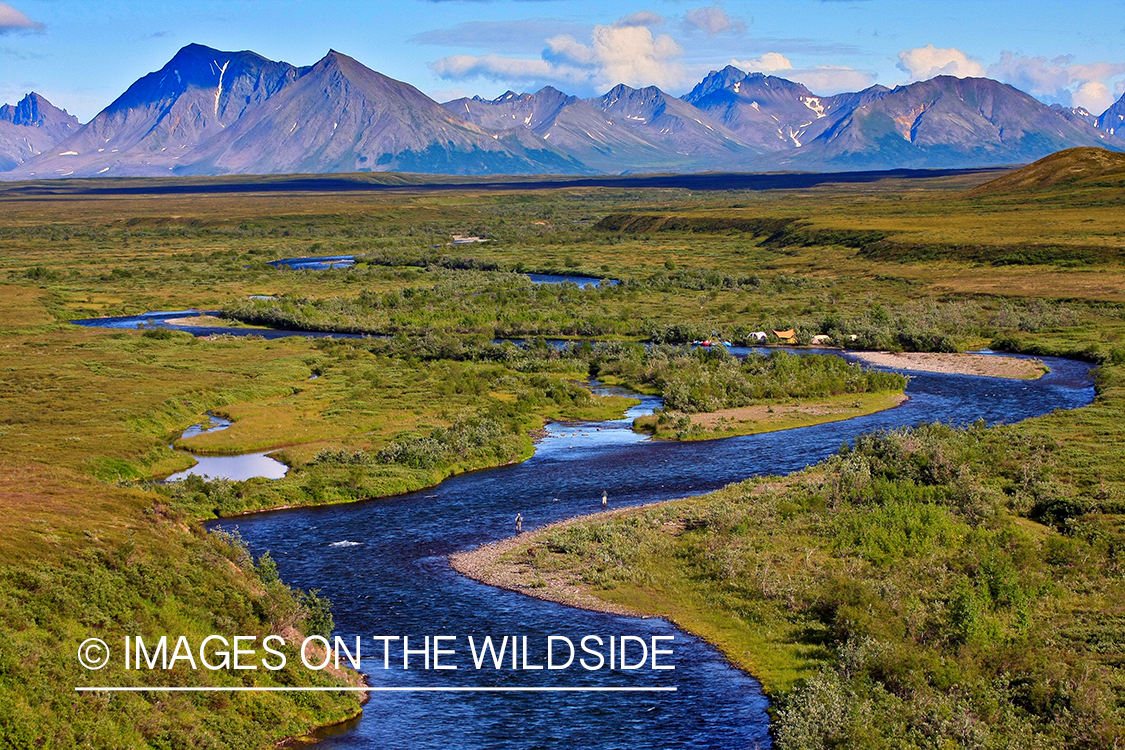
<point x="1024" y="525"/>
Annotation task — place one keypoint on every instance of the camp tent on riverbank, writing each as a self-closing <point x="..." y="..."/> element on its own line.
<point x="786" y="337"/>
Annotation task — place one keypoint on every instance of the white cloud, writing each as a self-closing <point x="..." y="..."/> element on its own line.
<point x="767" y="63"/>
<point x="1036" y="75"/>
<point x="624" y="52"/>
<point x="820" y="79"/>
<point x="631" y="55"/>
<point x="566" y="48"/>
<point x="1094" y="96"/>
<point x="1059" y="79"/>
<point x="1095" y="71"/>
<point x="712" y="20"/>
<point x="921" y="63"/>
<point x="15" y="20"/>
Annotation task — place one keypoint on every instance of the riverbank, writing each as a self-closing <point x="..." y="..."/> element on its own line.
<point x="510" y="564"/>
<point x="759" y="418"/>
<point x="557" y="563"/>
<point x="960" y="363"/>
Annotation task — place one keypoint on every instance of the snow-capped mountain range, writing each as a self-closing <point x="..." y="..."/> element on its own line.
<point x="208" y="112"/>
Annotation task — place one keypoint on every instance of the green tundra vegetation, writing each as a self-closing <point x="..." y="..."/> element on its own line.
<point x="713" y="381"/>
<point x="925" y="588"/>
<point x="704" y="380"/>
<point x="93" y="546"/>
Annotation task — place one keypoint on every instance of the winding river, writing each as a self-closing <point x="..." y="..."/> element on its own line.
<point x="384" y="565"/>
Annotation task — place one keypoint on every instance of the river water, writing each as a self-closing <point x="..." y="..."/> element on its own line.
<point x="384" y="565"/>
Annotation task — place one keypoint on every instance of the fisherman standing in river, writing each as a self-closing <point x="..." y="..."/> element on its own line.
<point x="519" y="522"/>
<point x="605" y="498"/>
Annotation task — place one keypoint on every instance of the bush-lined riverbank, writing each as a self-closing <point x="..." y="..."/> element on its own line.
<point x="924" y="585"/>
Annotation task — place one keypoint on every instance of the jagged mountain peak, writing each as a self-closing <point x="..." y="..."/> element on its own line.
<point x="552" y="91"/>
<point x="716" y="80"/>
<point x="30" y="127"/>
<point x="647" y="102"/>
<point x="622" y="91"/>
<point x="514" y="112"/>
<point x="1080" y="114"/>
<point x="953" y="84"/>
<point x="34" y="111"/>
<point x="731" y="83"/>
<point x="338" y="64"/>
<point x="729" y="72"/>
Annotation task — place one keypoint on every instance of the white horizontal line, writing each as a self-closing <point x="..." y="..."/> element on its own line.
<point x="199" y="689"/>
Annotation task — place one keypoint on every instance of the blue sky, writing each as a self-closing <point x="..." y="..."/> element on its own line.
<point x="83" y="55"/>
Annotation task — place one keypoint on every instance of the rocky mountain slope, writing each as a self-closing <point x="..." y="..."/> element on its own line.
<point x="1112" y="120"/>
<point x="212" y="112"/>
<point x="29" y="128"/>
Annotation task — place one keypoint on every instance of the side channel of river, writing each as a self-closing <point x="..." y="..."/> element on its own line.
<point x="236" y="467"/>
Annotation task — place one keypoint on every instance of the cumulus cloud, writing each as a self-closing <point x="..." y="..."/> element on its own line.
<point x="921" y="63"/>
<point x="767" y="63"/>
<point x="712" y="20"/>
<point x="1093" y="96"/>
<point x="1059" y="79"/>
<point x="12" y="19"/>
<point x="623" y="52"/>
<point x="821" y="79"/>
<point x="1036" y="75"/>
<point x="632" y="55"/>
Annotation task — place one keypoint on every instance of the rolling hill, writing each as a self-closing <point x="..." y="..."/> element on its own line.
<point x="1075" y="167"/>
